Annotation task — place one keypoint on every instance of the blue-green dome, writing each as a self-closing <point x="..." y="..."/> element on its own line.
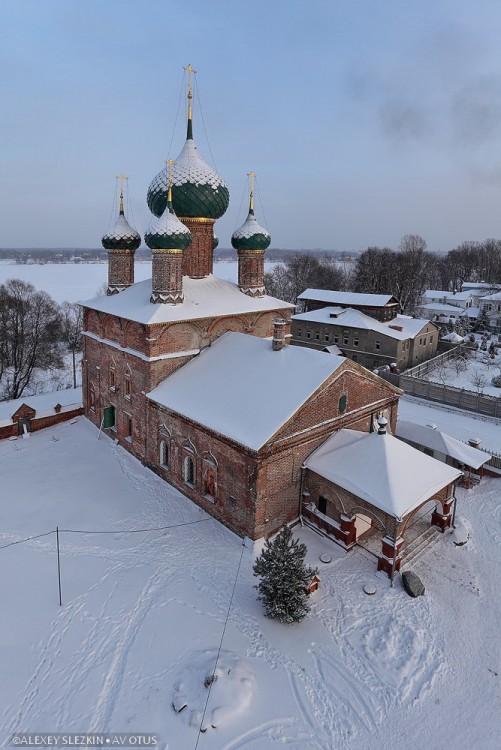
<point x="167" y="232"/>
<point x="122" y="237"/>
<point x="250" y="236"/>
<point x="197" y="190"/>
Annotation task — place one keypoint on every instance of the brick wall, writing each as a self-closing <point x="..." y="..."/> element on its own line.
<point x="41" y="423"/>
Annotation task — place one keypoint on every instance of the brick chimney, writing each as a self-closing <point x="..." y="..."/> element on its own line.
<point x="280" y="327"/>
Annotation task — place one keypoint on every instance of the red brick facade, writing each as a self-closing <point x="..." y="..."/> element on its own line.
<point x="251" y="272"/>
<point x="198" y="256"/>
<point x="120" y="270"/>
<point x="254" y="493"/>
<point x="37" y="423"/>
<point x="167" y="276"/>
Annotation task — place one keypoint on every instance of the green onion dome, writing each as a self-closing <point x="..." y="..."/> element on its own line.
<point x="122" y="237"/>
<point x="250" y="236"/>
<point x="167" y="232"/>
<point x="197" y="190"/>
<point x="215" y="242"/>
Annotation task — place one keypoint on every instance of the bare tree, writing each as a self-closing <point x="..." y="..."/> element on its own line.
<point x="302" y="271"/>
<point x="72" y="331"/>
<point x="478" y="380"/>
<point x="30" y="335"/>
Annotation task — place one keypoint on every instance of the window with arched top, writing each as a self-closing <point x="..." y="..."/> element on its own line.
<point x="112" y="376"/>
<point x="128" y="383"/>
<point x="92" y="398"/>
<point x="343" y="402"/>
<point x="210" y="484"/>
<point x="189" y="471"/>
<point x="164" y="454"/>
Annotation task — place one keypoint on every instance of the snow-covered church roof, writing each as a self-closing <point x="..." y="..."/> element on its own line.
<point x="380" y="469"/>
<point x="239" y="387"/>
<point x="203" y="298"/>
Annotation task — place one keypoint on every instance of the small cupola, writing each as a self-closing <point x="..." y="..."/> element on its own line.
<point x="251" y="240"/>
<point x="382" y="425"/>
<point x="167" y="238"/>
<point x="121" y="243"/>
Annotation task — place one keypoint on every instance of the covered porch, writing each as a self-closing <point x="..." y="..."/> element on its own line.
<point x="371" y="486"/>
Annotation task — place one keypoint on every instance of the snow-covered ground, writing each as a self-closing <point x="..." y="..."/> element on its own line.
<point x="74" y="282"/>
<point x="460" y="424"/>
<point x="143" y="615"/>
<point x="479" y="364"/>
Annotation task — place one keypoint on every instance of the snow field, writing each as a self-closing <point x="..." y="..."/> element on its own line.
<point x="143" y="613"/>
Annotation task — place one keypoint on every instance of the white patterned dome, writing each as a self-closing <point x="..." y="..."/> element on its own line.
<point x="167" y="232"/>
<point x="122" y="237"/>
<point x="197" y="190"/>
<point x="251" y="235"/>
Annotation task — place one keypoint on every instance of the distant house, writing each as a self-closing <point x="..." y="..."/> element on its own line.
<point x="402" y="341"/>
<point x="32" y="413"/>
<point x="456" y="299"/>
<point x="379" y="306"/>
<point x="441" y="312"/>
<point x="444" y="307"/>
<point x="491" y="304"/>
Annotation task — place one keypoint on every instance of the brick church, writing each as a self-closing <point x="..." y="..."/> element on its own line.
<point x="194" y="375"/>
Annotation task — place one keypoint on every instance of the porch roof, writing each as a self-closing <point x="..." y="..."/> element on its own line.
<point x="380" y="469"/>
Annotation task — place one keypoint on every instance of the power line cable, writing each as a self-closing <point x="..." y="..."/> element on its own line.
<point x="135" y="531"/>
<point x="203" y="123"/>
<point x="181" y="89"/>
<point x="261" y="204"/>
<point x="28" y="539"/>
<point x="112" y="212"/>
<point x="220" y="643"/>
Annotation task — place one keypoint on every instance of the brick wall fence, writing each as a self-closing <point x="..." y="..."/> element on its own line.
<point x="40" y="423"/>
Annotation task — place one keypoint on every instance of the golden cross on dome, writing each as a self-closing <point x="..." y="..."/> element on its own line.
<point x="251" y="176"/>
<point x="190" y="70"/>
<point x="121" y="177"/>
<point x="170" y="162"/>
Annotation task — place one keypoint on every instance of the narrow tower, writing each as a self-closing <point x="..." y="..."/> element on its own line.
<point x="121" y="244"/>
<point x="199" y="197"/>
<point x="251" y="241"/>
<point x="167" y="238"/>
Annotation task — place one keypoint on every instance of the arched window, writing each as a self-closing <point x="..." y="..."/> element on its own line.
<point x="112" y="378"/>
<point x="92" y="398"/>
<point x="127" y="383"/>
<point x="164" y="454"/>
<point x="189" y="471"/>
<point x="210" y="484"/>
<point x="343" y="401"/>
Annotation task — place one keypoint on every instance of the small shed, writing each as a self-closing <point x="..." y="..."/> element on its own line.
<point x="313" y="585"/>
<point x="431" y="440"/>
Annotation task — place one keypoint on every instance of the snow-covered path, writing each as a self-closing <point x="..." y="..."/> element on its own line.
<point x="360" y="672"/>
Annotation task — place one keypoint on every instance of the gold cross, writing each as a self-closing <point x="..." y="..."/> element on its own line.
<point x="190" y="69"/>
<point x="122" y="177"/>
<point x="251" y="176"/>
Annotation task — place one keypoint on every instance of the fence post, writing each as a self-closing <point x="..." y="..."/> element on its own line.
<point x="58" y="566"/>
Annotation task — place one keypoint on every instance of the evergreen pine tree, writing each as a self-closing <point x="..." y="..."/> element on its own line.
<point x="284" y="578"/>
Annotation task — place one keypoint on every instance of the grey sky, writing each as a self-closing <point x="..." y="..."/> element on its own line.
<point x="364" y="119"/>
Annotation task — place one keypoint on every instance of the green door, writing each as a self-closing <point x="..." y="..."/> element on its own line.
<point x="109" y="417"/>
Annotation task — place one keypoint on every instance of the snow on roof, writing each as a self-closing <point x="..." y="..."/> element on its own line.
<point x="380" y="469"/>
<point x="494" y="297"/>
<point x="203" y="298"/>
<point x="241" y="388"/>
<point x="440" y="307"/>
<point x="333" y="349"/>
<point x="249" y="228"/>
<point x="349" y="318"/>
<point x="450" y="296"/>
<point x="41" y="402"/>
<point x="347" y="298"/>
<point x="429" y="437"/>
<point x="453" y="337"/>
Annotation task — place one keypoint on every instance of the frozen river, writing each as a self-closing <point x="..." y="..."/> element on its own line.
<point x="81" y="281"/>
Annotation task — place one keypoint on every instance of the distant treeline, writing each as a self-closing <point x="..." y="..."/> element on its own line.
<point x="97" y="255"/>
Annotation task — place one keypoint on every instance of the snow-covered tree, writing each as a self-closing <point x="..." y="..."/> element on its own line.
<point x="284" y="577"/>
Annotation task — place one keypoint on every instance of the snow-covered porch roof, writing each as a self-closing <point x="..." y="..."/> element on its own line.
<point x="430" y="437"/>
<point x="380" y="469"/>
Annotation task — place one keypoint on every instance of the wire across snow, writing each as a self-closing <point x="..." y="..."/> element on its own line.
<point x="241" y="388"/>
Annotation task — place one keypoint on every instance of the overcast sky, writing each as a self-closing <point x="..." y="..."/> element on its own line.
<point x="364" y="119"/>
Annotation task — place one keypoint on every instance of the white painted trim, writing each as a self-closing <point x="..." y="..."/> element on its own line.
<point x="140" y="355"/>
